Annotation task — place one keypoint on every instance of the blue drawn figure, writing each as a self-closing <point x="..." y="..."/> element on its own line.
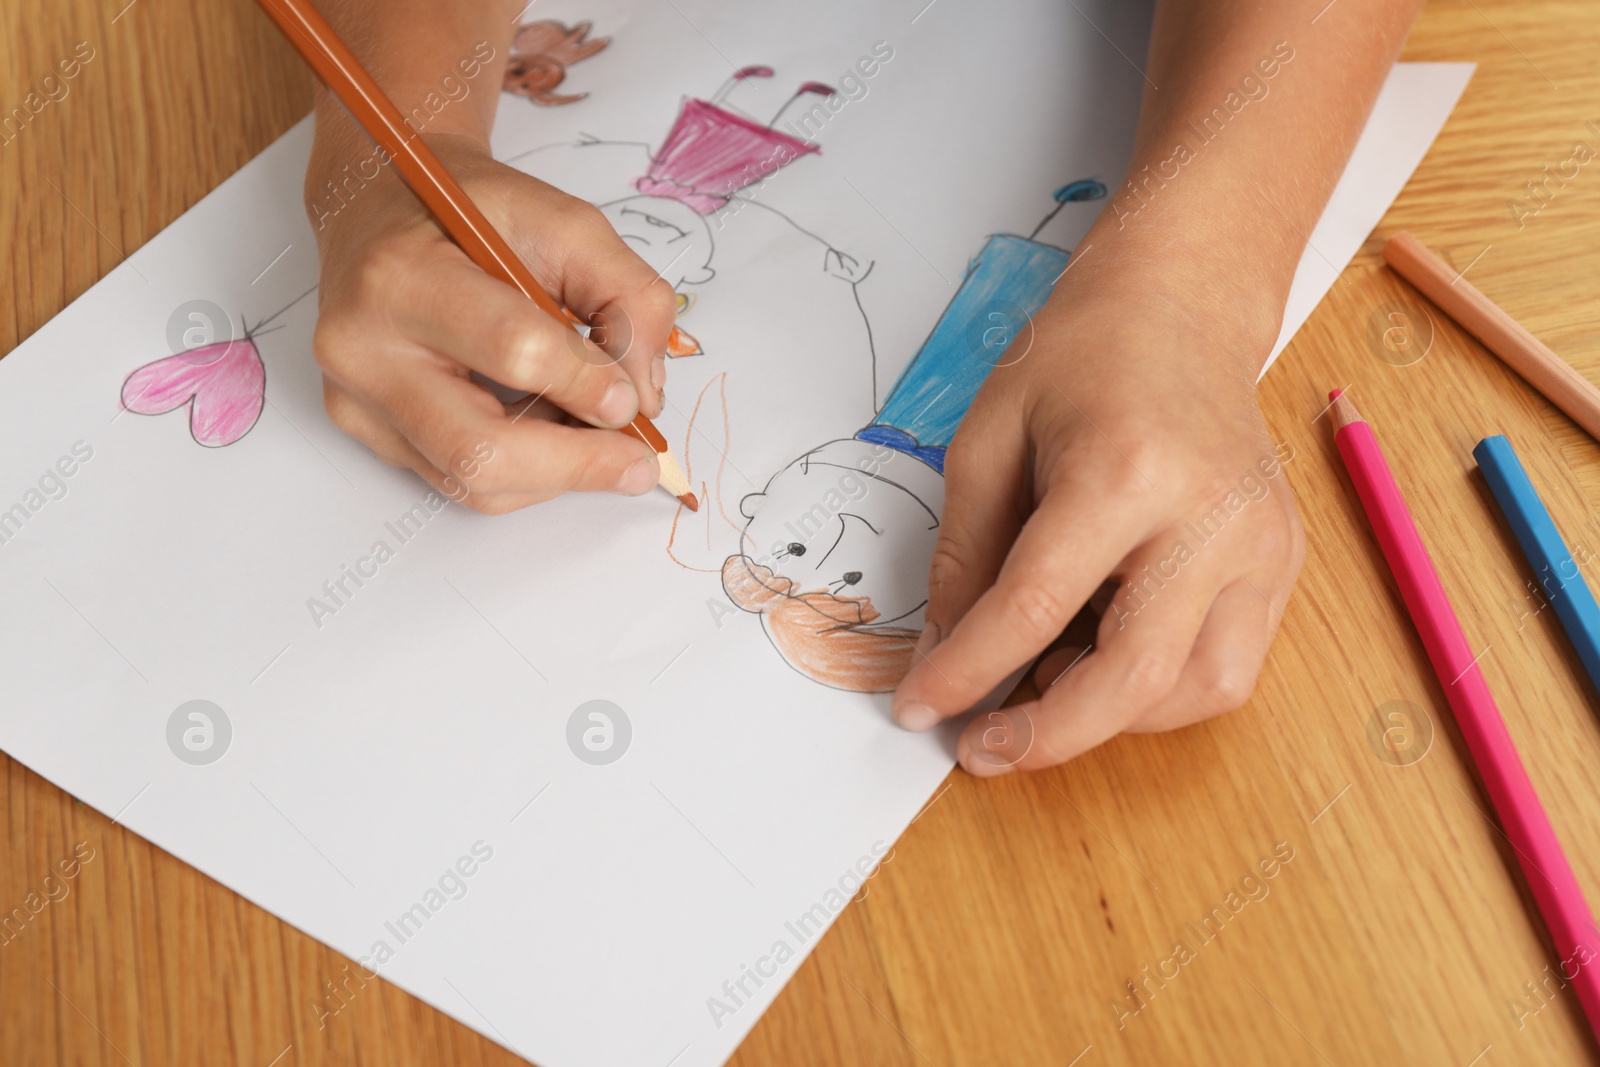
<point x="1004" y="288"/>
<point x="835" y="550"/>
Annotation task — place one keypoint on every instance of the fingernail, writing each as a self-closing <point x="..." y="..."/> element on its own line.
<point x="917" y="717"/>
<point x="639" y="478"/>
<point x="979" y="767"/>
<point x="620" y="403"/>
<point x="929" y="639"/>
<point x="995" y="742"/>
<point x="658" y="372"/>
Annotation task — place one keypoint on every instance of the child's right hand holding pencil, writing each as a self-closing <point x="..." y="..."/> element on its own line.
<point x="406" y="318"/>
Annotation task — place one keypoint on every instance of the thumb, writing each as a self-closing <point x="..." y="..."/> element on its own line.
<point x="983" y="474"/>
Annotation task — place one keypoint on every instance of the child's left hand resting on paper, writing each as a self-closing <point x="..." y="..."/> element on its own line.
<point x="1121" y="462"/>
<point x="1125" y="444"/>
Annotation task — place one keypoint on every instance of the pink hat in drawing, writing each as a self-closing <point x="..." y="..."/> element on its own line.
<point x="711" y="152"/>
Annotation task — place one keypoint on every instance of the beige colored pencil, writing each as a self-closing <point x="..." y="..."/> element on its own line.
<point x="1520" y="350"/>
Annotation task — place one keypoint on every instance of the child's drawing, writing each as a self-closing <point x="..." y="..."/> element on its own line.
<point x="689" y="528"/>
<point x="682" y="196"/>
<point x="691" y="187"/>
<point x="835" y="549"/>
<point x="223" y="384"/>
<point x="541" y="52"/>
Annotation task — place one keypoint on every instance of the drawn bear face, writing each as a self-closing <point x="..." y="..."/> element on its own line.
<point x="852" y="519"/>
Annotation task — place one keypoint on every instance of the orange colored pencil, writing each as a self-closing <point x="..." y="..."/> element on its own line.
<point x="347" y="79"/>
<point x="1501" y="334"/>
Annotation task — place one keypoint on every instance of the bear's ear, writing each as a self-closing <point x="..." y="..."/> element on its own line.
<point x="705" y="274"/>
<point x="750" y="503"/>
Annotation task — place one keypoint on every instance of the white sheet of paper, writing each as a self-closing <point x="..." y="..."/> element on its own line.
<point x="417" y="728"/>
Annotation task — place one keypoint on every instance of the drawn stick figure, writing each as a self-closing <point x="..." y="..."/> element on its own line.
<point x="835" y="551"/>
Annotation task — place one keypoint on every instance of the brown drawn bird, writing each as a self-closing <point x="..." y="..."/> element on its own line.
<point x="541" y="52"/>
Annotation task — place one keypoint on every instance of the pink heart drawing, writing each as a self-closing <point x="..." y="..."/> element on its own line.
<point x="223" y="384"/>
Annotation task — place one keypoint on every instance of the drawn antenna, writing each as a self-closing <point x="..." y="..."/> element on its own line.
<point x="256" y="331"/>
<point x="738" y="76"/>
<point x="1072" y="192"/>
<point x="816" y="88"/>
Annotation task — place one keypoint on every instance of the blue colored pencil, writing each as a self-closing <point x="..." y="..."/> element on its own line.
<point x="1560" y="581"/>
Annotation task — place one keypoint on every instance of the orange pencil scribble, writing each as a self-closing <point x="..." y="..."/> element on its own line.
<point x="708" y="491"/>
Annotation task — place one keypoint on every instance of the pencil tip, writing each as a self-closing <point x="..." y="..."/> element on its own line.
<point x="1334" y="394"/>
<point x="673" y="478"/>
<point x="1344" y="411"/>
<point x="690" y="501"/>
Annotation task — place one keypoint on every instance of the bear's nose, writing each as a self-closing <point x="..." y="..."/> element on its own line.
<point x="852" y="577"/>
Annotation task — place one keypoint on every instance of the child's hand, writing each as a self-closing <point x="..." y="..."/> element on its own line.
<point x="1126" y="443"/>
<point x="406" y="318"/>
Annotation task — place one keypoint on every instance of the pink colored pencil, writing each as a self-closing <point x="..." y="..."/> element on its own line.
<point x="1544" y="864"/>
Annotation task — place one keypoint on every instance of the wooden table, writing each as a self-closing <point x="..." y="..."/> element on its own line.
<point x="1032" y="919"/>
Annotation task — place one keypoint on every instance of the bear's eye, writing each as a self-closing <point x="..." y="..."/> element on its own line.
<point x="796" y="548"/>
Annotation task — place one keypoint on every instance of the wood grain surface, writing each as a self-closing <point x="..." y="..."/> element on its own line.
<point x="1033" y="919"/>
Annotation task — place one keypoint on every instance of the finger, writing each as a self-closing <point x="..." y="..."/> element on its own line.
<point x="1140" y="652"/>
<point x="367" y="425"/>
<point x="1075" y="641"/>
<point x="628" y="305"/>
<point x="1223" y="667"/>
<point x="463" y="431"/>
<point x="460" y="312"/>
<point x="1071" y="542"/>
<point x="625" y="342"/>
<point x="1054" y="665"/>
<point x="978" y="524"/>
